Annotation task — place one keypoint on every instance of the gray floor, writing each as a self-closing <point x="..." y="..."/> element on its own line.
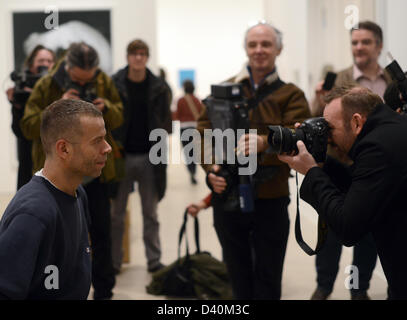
<point x="299" y="271"/>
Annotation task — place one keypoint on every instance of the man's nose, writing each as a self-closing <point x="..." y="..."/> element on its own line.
<point x="107" y="148"/>
<point x="258" y="48"/>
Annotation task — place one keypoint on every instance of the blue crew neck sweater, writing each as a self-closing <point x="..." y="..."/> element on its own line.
<point x="44" y="246"/>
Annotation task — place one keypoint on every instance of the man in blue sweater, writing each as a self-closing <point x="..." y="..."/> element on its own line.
<point x="44" y="247"/>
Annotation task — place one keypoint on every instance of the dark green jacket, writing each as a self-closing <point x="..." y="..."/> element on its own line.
<point x="51" y="88"/>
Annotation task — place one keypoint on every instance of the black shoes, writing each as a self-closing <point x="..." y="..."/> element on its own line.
<point x="156" y="268"/>
<point x="319" y="295"/>
<point x="361" y="295"/>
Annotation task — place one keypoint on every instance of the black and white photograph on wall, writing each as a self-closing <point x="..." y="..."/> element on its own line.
<point x="56" y="30"/>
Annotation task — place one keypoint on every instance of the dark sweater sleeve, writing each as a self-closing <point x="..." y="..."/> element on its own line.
<point x="351" y="214"/>
<point x="20" y="242"/>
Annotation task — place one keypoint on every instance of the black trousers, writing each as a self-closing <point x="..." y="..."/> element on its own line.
<point x="254" y="247"/>
<point x="192" y="166"/>
<point x="24" y="162"/>
<point x="327" y="262"/>
<point x="103" y="278"/>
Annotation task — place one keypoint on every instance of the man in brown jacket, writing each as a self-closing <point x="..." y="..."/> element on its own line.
<point x="254" y="244"/>
<point x="366" y="44"/>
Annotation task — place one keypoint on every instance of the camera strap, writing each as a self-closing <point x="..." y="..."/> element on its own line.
<point x="322" y="230"/>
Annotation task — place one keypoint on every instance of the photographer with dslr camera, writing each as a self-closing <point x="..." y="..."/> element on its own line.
<point x="78" y="76"/>
<point x="254" y="243"/>
<point x="37" y="64"/>
<point x="370" y="196"/>
<point x="366" y="45"/>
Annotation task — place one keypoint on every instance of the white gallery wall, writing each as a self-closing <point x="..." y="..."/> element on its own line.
<point x="391" y="15"/>
<point x="207" y="36"/>
<point x="130" y="19"/>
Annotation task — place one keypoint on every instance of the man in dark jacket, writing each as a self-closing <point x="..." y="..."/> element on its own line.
<point x="146" y="107"/>
<point x="374" y="137"/>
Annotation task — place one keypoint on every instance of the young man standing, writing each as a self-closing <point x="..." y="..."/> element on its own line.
<point x="146" y="107"/>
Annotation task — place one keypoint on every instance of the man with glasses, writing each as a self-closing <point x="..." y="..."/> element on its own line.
<point x="146" y="107"/>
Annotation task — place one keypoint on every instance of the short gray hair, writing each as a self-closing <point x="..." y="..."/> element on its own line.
<point x="278" y="33"/>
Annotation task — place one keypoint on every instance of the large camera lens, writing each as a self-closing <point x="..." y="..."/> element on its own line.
<point x="282" y="140"/>
<point x="313" y="132"/>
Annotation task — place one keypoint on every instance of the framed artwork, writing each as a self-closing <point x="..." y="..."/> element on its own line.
<point x="92" y="27"/>
<point x="186" y="74"/>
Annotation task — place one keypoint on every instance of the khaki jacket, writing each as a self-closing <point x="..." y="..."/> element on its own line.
<point x="343" y="78"/>
<point x="49" y="89"/>
<point x="282" y="104"/>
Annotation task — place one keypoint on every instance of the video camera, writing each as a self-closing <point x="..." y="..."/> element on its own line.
<point x="25" y="79"/>
<point x="313" y="132"/>
<point x="228" y="109"/>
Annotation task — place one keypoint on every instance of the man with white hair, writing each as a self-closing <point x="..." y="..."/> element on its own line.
<point x="254" y="244"/>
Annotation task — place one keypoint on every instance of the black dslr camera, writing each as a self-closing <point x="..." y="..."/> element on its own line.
<point x="313" y="132"/>
<point x="25" y="79"/>
<point x="86" y="93"/>
<point x="228" y="110"/>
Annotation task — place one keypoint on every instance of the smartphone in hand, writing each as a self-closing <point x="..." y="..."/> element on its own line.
<point x="329" y="81"/>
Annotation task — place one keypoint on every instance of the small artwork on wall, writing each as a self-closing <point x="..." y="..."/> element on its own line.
<point x="32" y="28"/>
<point x="186" y="74"/>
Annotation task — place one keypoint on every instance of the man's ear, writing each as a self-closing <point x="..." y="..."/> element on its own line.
<point x="63" y="149"/>
<point x="279" y="50"/>
<point x="357" y="123"/>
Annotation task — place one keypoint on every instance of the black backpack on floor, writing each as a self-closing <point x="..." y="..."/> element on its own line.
<point x="198" y="275"/>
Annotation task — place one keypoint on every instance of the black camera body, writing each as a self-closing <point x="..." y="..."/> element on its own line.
<point x="228" y="109"/>
<point x="313" y="132"/>
<point x="86" y="93"/>
<point x="25" y="79"/>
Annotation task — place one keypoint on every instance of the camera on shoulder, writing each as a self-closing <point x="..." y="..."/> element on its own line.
<point x="25" y="79"/>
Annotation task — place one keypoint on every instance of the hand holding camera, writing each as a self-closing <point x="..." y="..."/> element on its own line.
<point x="250" y="143"/>
<point x="218" y="183"/>
<point x="71" y="94"/>
<point x="301" y="162"/>
<point x="323" y="87"/>
<point x="99" y="103"/>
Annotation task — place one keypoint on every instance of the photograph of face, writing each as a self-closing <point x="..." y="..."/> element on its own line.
<point x="92" y="27"/>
